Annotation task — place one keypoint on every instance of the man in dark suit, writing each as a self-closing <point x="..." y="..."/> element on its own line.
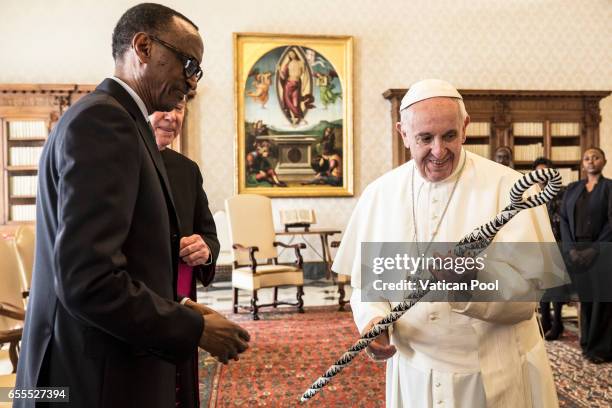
<point x="198" y="234"/>
<point x="199" y="246"/>
<point x="103" y="318"/>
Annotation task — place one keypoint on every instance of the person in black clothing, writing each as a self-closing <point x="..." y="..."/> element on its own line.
<point x="199" y="246"/>
<point x="586" y="215"/>
<point x="552" y="329"/>
<point x="103" y="319"/>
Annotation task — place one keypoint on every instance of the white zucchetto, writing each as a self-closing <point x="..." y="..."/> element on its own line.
<point x="428" y="88"/>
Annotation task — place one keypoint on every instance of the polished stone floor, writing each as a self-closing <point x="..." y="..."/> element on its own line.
<point x="319" y="292"/>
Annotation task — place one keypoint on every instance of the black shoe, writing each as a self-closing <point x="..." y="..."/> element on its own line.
<point x="545" y="321"/>
<point x="554" y="333"/>
<point x="546" y="326"/>
<point x="596" y="359"/>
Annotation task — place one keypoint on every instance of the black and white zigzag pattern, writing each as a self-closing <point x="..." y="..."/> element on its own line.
<point x="551" y="177"/>
<point x="472" y="243"/>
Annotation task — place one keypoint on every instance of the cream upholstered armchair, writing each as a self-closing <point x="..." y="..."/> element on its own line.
<point x="254" y="248"/>
<point x="24" y="242"/>
<point x="12" y="312"/>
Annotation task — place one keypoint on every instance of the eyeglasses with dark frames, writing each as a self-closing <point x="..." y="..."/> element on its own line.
<point x="191" y="67"/>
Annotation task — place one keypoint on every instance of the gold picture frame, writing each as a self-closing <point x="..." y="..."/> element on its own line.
<point x="294" y="115"/>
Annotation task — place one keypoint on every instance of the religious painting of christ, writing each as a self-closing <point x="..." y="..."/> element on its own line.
<point x="294" y="84"/>
<point x="294" y="115"/>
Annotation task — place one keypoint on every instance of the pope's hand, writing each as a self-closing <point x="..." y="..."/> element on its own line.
<point x="380" y="349"/>
<point x="193" y="250"/>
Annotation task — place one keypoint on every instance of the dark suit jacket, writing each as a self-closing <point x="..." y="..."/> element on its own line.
<point x="591" y="282"/>
<point x="102" y="317"/>
<point x="600" y="206"/>
<point x="192" y="208"/>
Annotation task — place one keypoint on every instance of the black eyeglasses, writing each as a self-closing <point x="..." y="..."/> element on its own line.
<point x="191" y="67"/>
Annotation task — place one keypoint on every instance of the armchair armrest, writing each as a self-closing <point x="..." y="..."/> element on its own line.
<point x="239" y="247"/>
<point x="12" y="311"/>
<point x="298" y="256"/>
<point x="252" y="250"/>
<point x="301" y="245"/>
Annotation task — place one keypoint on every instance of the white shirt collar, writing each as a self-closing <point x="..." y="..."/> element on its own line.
<point x="134" y="96"/>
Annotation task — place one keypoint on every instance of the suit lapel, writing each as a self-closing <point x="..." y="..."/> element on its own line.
<point x="149" y="140"/>
<point x="572" y="207"/>
<point x="145" y="131"/>
<point x="598" y="196"/>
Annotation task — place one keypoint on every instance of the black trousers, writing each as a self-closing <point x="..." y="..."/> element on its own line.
<point x="596" y="329"/>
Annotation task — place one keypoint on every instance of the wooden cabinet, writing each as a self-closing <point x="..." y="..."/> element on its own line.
<point x="559" y="125"/>
<point x="28" y="112"/>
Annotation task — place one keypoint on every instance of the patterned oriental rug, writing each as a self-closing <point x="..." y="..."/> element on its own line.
<point x="290" y="350"/>
<point x="579" y="382"/>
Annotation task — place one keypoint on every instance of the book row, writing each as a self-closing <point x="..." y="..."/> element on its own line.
<point x="24" y="156"/>
<point x="23" y="186"/>
<point x="23" y="212"/>
<point x="528" y="152"/>
<point x="27" y="129"/>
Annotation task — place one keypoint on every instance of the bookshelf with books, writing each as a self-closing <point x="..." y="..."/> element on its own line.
<point x="559" y="125"/>
<point x="478" y="138"/>
<point x="28" y="112"/>
<point x="528" y="142"/>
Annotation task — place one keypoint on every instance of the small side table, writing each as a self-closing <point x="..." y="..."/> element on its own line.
<point x="324" y="234"/>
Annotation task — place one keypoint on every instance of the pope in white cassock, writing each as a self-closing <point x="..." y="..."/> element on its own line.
<point x="452" y="354"/>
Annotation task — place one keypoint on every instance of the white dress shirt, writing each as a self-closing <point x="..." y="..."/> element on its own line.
<point x="134" y="96"/>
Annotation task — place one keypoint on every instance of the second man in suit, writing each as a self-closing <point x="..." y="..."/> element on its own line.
<point x="199" y="246"/>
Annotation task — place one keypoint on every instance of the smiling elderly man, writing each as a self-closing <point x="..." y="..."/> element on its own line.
<point x="450" y="354"/>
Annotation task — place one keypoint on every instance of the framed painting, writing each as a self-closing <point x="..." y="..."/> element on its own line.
<point x="294" y="115"/>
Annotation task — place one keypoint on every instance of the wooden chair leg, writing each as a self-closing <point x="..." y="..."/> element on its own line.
<point x="275" y="296"/>
<point x="13" y="354"/>
<point x="235" y="306"/>
<point x="254" y="307"/>
<point x="300" y="293"/>
<point x="342" y="293"/>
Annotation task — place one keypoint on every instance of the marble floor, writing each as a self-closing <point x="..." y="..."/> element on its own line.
<point x="5" y="362"/>
<point x="317" y="292"/>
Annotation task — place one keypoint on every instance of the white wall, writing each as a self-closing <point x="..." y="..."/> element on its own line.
<point x="499" y="44"/>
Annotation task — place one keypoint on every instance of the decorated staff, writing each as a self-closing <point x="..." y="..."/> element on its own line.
<point x="474" y="242"/>
<point x="449" y="353"/>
